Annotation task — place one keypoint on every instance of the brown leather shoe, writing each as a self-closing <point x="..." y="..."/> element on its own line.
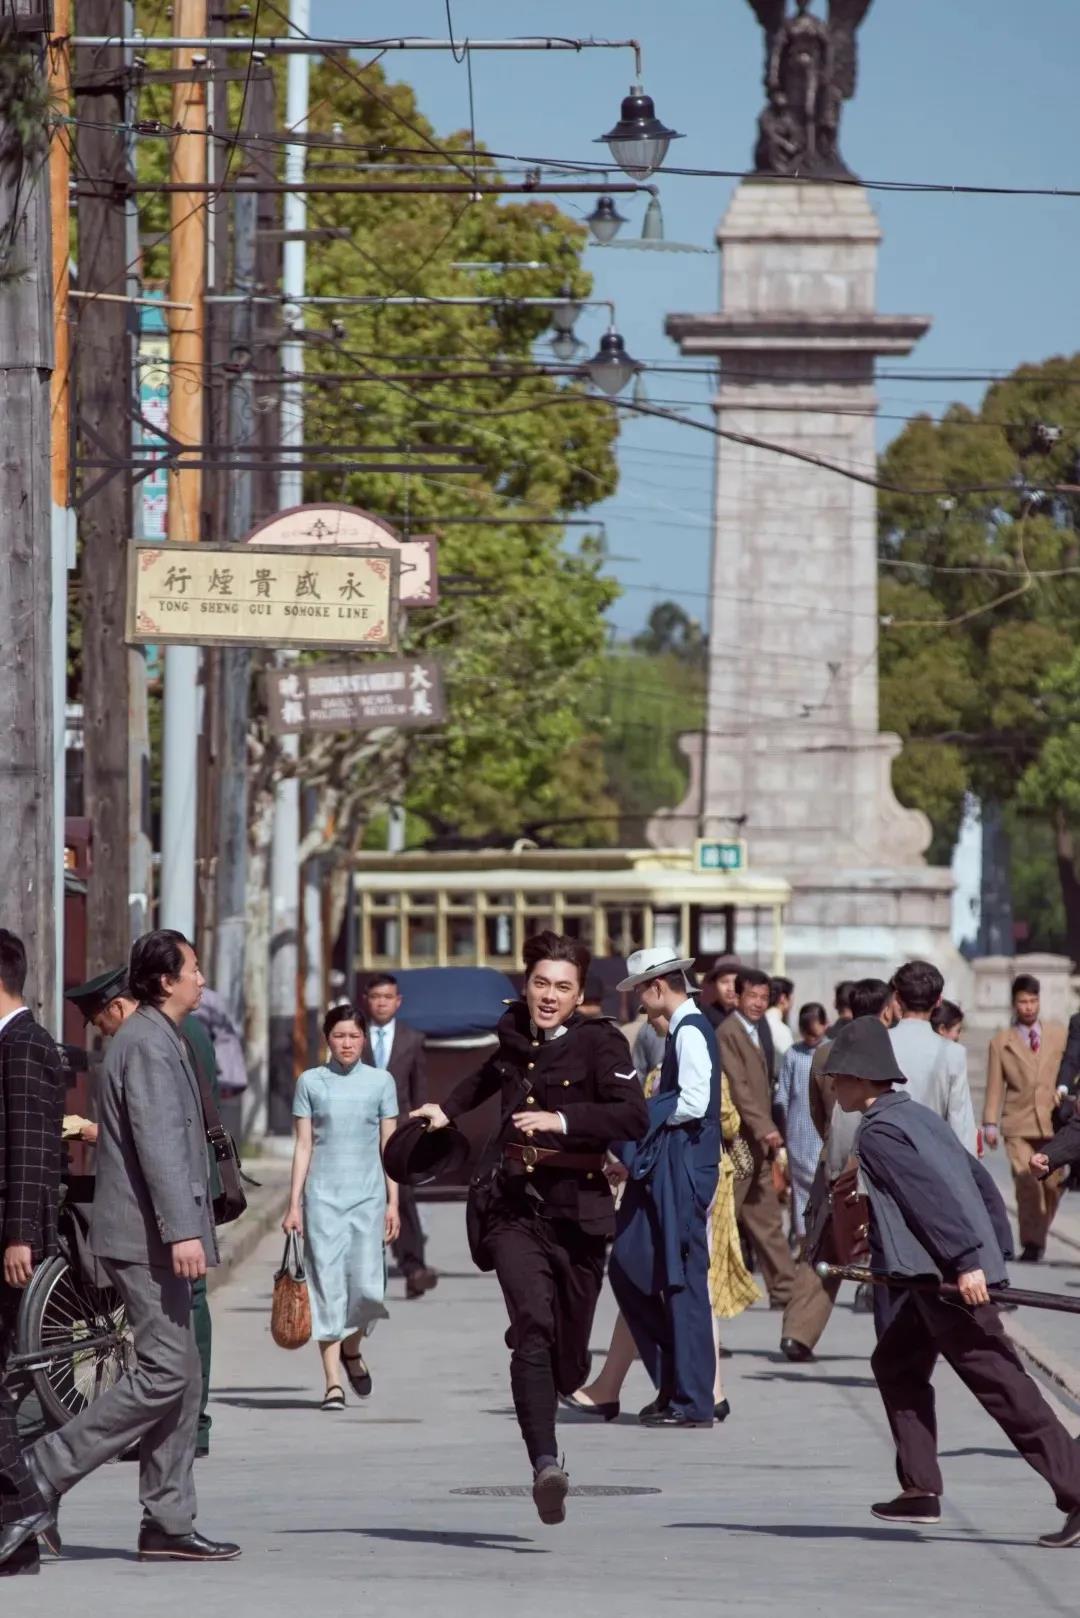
<point x="420" y="1281"/>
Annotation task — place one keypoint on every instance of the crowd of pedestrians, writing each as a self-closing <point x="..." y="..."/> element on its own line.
<point x="721" y="1139"/>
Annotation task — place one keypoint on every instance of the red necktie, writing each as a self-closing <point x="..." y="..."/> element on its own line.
<point x="1033" y="1036"/>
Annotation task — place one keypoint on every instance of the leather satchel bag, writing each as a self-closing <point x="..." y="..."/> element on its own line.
<point x="850" y="1218"/>
<point x="230" y="1201"/>
<point x="290" y="1313"/>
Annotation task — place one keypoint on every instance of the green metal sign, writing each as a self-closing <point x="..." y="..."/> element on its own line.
<point x="712" y="854"/>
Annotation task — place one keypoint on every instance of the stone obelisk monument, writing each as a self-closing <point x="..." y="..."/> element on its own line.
<point x="792" y="759"/>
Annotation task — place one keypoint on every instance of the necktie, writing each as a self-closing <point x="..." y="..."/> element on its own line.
<point x="380" y="1047"/>
<point x="1033" y="1036"/>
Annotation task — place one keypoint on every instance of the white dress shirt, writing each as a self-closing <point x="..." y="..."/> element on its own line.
<point x="782" y="1037"/>
<point x="751" y="1029"/>
<point x="695" y="1068"/>
<point x="9" y="1016"/>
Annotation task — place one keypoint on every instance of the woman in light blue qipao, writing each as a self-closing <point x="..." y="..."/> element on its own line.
<point x="342" y="1202"/>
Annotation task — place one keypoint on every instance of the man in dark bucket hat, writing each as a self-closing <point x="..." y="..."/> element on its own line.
<point x="935" y="1215"/>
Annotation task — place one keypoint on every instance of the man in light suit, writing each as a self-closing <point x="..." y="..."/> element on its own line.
<point x="152" y="1227"/>
<point x="935" y="1068"/>
<point x="393" y="1045"/>
<point x="745" y="1069"/>
<point x="1021" y="1092"/>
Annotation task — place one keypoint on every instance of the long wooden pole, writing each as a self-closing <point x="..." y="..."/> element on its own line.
<point x="59" y="208"/>
<point x="186" y="412"/>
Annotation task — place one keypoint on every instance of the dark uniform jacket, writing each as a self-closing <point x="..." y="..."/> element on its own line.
<point x="406" y="1065"/>
<point x="33" y="1083"/>
<point x="588" y="1075"/>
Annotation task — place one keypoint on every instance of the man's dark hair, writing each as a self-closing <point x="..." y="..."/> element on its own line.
<point x="842" y="994"/>
<point x="779" y="987"/>
<point x="12" y="963"/>
<point x="1024" y="984"/>
<point x="382" y="980"/>
<point x="343" y="1013"/>
<point x="723" y="967"/>
<point x="548" y="946"/>
<point x="918" y="985"/>
<point x="813" y="1012"/>
<point x="155" y="956"/>
<point x="751" y="977"/>
<point x="869" y="997"/>
<point x="946" y="1015"/>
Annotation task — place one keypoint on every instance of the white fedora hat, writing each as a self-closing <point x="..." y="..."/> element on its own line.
<point x="657" y="962"/>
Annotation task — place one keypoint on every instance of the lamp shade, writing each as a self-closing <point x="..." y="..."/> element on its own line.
<point x="611" y="367"/>
<point x="639" y="141"/>
<point x="565" y="345"/>
<point x="652" y="227"/>
<point x="605" y="221"/>
<point x="564" y="315"/>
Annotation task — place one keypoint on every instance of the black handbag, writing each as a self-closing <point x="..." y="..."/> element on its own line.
<point x="230" y="1201"/>
<point x="484" y="1191"/>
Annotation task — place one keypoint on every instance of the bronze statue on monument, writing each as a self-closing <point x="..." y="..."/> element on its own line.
<point x="810" y="71"/>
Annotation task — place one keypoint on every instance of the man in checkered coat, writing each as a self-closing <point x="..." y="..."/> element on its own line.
<point x="32" y="1086"/>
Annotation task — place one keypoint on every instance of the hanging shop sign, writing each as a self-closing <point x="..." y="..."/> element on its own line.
<point x="239" y="595"/>
<point x="405" y="695"/>
<point x="330" y="525"/>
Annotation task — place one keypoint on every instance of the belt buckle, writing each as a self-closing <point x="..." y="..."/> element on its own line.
<point x="530" y="1156"/>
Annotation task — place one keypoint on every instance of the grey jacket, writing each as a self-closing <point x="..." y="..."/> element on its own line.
<point x="936" y="1071"/>
<point x="934" y="1210"/>
<point x="152" y="1174"/>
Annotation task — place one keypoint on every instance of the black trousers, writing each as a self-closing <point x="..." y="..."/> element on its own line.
<point x="973" y="1341"/>
<point x="18" y="1497"/>
<point x="409" y="1247"/>
<point x="551" y="1272"/>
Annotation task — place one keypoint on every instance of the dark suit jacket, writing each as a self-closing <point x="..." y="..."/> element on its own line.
<point x="33" y="1083"/>
<point x="406" y="1064"/>
<point x="1069" y="1071"/>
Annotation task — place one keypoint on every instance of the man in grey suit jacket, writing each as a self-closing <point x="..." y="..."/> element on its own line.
<point x="935" y="1068"/>
<point x="152" y="1227"/>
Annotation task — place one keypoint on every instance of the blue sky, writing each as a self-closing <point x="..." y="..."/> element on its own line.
<point x="959" y="91"/>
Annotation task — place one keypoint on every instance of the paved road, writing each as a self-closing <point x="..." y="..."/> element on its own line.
<point x="360" y="1512"/>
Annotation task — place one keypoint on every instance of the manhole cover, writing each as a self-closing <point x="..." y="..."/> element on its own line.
<point x="583" y="1490"/>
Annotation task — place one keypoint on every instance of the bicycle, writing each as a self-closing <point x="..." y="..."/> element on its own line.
<point x="71" y="1335"/>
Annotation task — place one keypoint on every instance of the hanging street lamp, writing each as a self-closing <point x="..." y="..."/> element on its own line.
<point x="639" y="141"/>
<point x="611" y="367"/>
<point x="565" y="346"/>
<point x="605" y="221"/>
<point x="564" y="314"/>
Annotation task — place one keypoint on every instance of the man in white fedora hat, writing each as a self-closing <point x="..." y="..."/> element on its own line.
<point x="660" y="1261"/>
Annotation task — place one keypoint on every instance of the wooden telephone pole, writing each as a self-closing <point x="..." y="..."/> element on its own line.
<point x="28" y="895"/>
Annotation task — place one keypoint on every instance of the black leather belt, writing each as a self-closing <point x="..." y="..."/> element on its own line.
<point x="550" y="1158"/>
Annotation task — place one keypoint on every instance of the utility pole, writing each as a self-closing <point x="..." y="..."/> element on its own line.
<point x="28" y="898"/>
<point x="284" y="864"/>
<point x="187" y="383"/>
<point x="230" y="884"/>
<point x="63" y="516"/>
<point x="103" y="362"/>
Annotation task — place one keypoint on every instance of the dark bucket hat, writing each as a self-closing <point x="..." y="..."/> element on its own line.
<point x="416" y="1155"/>
<point x="863" y="1050"/>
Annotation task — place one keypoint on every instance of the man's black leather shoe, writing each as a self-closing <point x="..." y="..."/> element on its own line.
<point x="795" y="1351"/>
<point x="1030" y="1254"/>
<point x="669" y="1418"/>
<point x="658" y="1406"/>
<point x="155" y="1545"/>
<point x="25" y="1560"/>
<point x="1065" y="1537"/>
<point x="16" y="1534"/>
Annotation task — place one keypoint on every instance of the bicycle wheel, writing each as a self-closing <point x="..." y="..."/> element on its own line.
<point x="80" y="1332"/>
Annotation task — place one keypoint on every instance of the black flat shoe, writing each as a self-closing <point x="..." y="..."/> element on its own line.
<point x="657" y="1408"/>
<point x="607" y="1412"/>
<point x="334" y="1399"/>
<point x="669" y="1418"/>
<point x="795" y="1351"/>
<point x="155" y="1545"/>
<point x="722" y="1411"/>
<point x="360" y="1381"/>
<point x="550" y="1489"/>
<point x="1065" y="1536"/>
<point x="913" y="1508"/>
<point x="1030" y="1254"/>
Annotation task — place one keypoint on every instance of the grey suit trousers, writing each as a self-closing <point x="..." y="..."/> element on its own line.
<point x="156" y="1405"/>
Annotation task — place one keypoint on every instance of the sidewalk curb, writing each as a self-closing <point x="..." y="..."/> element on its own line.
<point x="266" y="1205"/>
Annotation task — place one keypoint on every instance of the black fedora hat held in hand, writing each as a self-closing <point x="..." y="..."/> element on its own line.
<point x="416" y="1155"/>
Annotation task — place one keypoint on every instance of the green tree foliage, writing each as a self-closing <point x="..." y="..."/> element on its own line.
<point x="646" y="700"/>
<point x="980" y="594"/>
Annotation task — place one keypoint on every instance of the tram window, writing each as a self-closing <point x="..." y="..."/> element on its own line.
<point x="499" y="937"/>
<point x="667" y="926"/>
<point x="421" y="938"/>
<point x="385" y="936"/>
<point x="461" y="938"/>
<point x="385" y="901"/>
<point x="579" y="927"/>
<point x="625" y="928"/>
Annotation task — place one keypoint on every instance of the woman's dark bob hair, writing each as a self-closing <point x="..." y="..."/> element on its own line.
<point x="343" y="1013"/>
<point x="556" y="947"/>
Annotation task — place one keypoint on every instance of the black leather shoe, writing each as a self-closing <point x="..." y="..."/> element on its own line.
<point x="551" y="1485"/>
<point x="14" y="1535"/>
<point x="795" y="1351"/>
<point x="421" y="1281"/>
<point x="359" y="1381"/>
<point x="722" y="1410"/>
<point x="670" y="1418"/>
<point x="584" y="1407"/>
<point x="1030" y="1254"/>
<point x="155" y="1545"/>
<point x="1066" y="1536"/>
<point x="25" y="1560"/>
<point x="658" y="1406"/>
<point x="914" y="1508"/>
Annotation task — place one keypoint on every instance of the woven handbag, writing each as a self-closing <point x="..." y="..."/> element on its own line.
<point x="290" y="1314"/>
